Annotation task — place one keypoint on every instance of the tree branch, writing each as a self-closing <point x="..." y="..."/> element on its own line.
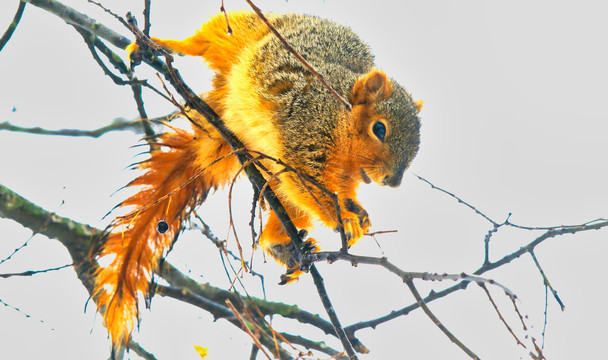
<point x="74" y="17"/>
<point x="436" y="321"/>
<point x="119" y="124"/>
<point x="13" y="25"/>
<point x="177" y="279"/>
<point x="596" y="225"/>
<point x="79" y="238"/>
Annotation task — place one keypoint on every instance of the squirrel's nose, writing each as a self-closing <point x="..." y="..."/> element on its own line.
<point x="392" y="181"/>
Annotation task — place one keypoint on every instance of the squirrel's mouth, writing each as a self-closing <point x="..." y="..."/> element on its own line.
<point x="366" y="178"/>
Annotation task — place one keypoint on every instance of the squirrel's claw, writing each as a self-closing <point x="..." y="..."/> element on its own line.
<point x="355" y="226"/>
<point x="355" y="221"/>
<point x="134" y="54"/>
<point x="290" y="276"/>
<point x="286" y="254"/>
<point x="310" y="246"/>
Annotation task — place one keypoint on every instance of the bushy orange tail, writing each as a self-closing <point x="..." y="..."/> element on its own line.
<point x="177" y="178"/>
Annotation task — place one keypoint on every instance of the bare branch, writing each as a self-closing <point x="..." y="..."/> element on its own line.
<point x="595" y="225"/>
<point x="229" y="30"/>
<point x="78" y="240"/>
<point x="12" y="26"/>
<point x="319" y="346"/>
<point x="319" y="283"/>
<point x="355" y="260"/>
<point x="177" y="279"/>
<point x="147" y="24"/>
<point x="17" y="249"/>
<point x="119" y="124"/>
<point x="546" y="281"/>
<point x="34" y="272"/>
<point x="89" y="39"/>
<point x="539" y="353"/>
<point x="502" y="319"/>
<point x="460" y="201"/>
<point x="246" y="328"/>
<point x="140" y="351"/>
<point x="436" y="321"/>
<point x="184" y="294"/>
<point x="77" y="18"/>
<point x="507" y="221"/>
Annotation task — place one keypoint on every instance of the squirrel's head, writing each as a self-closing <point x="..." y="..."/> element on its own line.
<point x="385" y="128"/>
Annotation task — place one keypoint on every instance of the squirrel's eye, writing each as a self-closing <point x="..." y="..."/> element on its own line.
<point x="379" y="129"/>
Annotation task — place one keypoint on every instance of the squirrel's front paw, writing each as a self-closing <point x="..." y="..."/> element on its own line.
<point x="355" y="221"/>
<point x="355" y="226"/>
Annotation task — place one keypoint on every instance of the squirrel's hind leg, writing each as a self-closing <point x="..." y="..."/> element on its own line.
<point x="276" y="242"/>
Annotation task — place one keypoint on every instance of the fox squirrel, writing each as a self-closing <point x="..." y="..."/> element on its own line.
<point x="274" y="105"/>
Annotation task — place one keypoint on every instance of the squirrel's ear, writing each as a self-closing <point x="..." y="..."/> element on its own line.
<point x="371" y="87"/>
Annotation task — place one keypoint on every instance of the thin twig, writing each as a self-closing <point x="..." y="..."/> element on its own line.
<point x="17" y="249"/>
<point x="262" y="331"/>
<point x="254" y="352"/>
<point x="74" y="17"/>
<point x="436" y="321"/>
<point x="136" y="86"/>
<point x="113" y="14"/>
<point x="221" y="245"/>
<point x="89" y="40"/>
<point x="217" y="310"/>
<point x="178" y="279"/>
<point x="546" y="281"/>
<point x="34" y="272"/>
<point x="230" y="214"/>
<point x="380" y="232"/>
<point x="147" y="24"/>
<point x="539" y="355"/>
<point x="140" y="351"/>
<point x="483" y="269"/>
<point x="12" y="26"/>
<point x="339" y="330"/>
<point x="246" y="328"/>
<point x="507" y="222"/>
<point x="355" y="260"/>
<point x="44" y="226"/>
<point x="119" y="124"/>
<point x="530" y="246"/>
<point x="254" y="207"/>
<point x="546" y="316"/>
<point x="26" y="315"/>
<point x="184" y="294"/>
<point x="458" y="199"/>
<point x="228" y="28"/>
<point x="318" y="346"/>
<point x="77" y="239"/>
<point x="145" y="122"/>
<point x="182" y="110"/>
<point x="502" y="319"/>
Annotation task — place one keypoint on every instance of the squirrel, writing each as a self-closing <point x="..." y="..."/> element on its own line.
<point x="275" y="106"/>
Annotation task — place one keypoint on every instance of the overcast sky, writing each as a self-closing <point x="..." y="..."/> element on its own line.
<point x="514" y="121"/>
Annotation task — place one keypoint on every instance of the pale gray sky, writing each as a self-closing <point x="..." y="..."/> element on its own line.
<point x="514" y="120"/>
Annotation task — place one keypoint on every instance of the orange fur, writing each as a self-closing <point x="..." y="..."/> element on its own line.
<point x="177" y="178"/>
<point x="246" y="93"/>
